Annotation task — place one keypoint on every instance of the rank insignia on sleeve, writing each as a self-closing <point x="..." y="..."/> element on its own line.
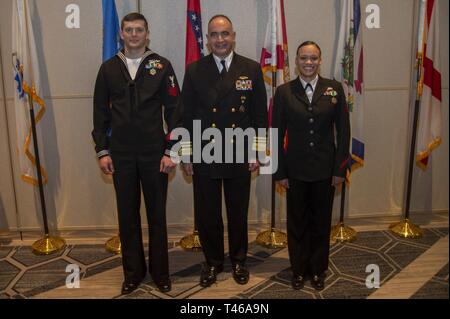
<point x="172" y="87"/>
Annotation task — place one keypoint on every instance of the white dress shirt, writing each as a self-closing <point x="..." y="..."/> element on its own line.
<point x="228" y="60"/>
<point x="309" y="91"/>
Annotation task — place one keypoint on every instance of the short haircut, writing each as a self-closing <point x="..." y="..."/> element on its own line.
<point x="133" y="16"/>
<point x="220" y="16"/>
<point x="309" y="43"/>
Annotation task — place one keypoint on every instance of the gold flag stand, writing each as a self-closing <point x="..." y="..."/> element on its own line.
<point x="272" y="238"/>
<point x="191" y="242"/>
<point x="341" y="232"/>
<point x="48" y="245"/>
<point x="406" y="229"/>
<point x="113" y="245"/>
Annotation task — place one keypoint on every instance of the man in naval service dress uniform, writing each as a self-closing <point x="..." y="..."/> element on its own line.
<point x="130" y="92"/>
<point x="224" y="91"/>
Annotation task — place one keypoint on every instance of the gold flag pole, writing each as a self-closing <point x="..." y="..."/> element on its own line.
<point x="48" y="244"/>
<point x="406" y="228"/>
<point x="274" y="238"/>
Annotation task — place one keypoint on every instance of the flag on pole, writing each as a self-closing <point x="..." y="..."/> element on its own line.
<point x="274" y="55"/>
<point x="349" y="71"/>
<point x="429" y="126"/>
<point x="111" y="29"/>
<point x="27" y="86"/>
<point x="194" y="34"/>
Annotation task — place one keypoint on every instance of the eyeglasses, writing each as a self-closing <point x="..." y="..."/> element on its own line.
<point x="129" y="30"/>
<point x="216" y="35"/>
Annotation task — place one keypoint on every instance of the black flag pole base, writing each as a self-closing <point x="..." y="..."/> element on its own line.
<point x="272" y="238"/>
<point x="342" y="233"/>
<point x="191" y="242"/>
<point x="48" y="245"/>
<point x="113" y="245"/>
<point x="406" y="229"/>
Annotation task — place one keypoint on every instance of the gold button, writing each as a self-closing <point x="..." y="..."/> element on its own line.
<point x="233" y="110"/>
<point x="214" y="110"/>
<point x="213" y="125"/>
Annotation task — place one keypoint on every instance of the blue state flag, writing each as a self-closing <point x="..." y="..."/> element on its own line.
<point x="111" y="36"/>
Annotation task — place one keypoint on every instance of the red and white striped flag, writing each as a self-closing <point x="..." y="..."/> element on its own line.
<point x="274" y="54"/>
<point x="429" y="126"/>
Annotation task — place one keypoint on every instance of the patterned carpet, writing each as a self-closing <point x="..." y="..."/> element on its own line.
<point x="25" y="275"/>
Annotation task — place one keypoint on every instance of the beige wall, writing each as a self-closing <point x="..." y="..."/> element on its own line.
<point x="79" y="197"/>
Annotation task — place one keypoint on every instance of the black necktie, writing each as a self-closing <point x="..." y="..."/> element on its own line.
<point x="224" y="68"/>
<point x="309" y="94"/>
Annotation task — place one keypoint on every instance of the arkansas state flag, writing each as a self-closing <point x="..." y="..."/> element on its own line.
<point x="194" y="34"/>
<point x="429" y="126"/>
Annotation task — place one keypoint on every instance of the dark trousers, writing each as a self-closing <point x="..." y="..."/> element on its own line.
<point x="309" y="209"/>
<point x="133" y="170"/>
<point x="208" y="217"/>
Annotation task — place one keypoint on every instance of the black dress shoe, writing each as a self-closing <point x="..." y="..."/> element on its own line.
<point x="240" y="274"/>
<point x="209" y="273"/>
<point x="129" y="287"/>
<point x="318" y="282"/>
<point x="164" y="286"/>
<point x="298" y="282"/>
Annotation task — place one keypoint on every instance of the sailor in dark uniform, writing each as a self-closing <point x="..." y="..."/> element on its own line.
<point x="224" y="91"/>
<point x="131" y="145"/>
<point x="313" y="112"/>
